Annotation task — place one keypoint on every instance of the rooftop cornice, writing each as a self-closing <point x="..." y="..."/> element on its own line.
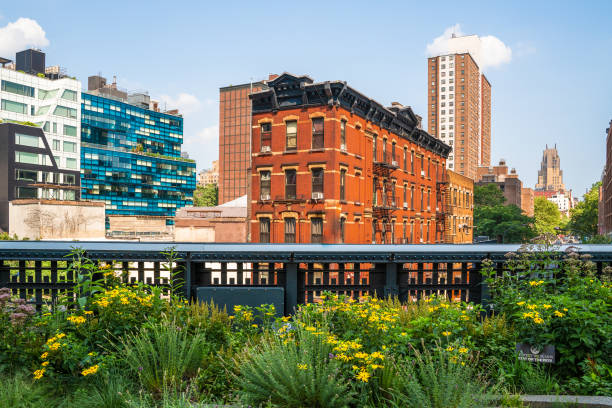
<point x="291" y="92"/>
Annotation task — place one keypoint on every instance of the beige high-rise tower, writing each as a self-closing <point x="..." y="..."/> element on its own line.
<point x="459" y="105"/>
<point x="550" y="175"/>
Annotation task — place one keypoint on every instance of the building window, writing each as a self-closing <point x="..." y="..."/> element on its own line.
<point x="264" y="230"/>
<point x="290" y="230"/>
<point x="317" y="134"/>
<point x="27" y="140"/>
<point x="316" y="230"/>
<point x="26" y="157"/>
<point x="342" y="184"/>
<point x="405" y="159"/>
<point x="412" y="161"/>
<point x="69" y="95"/>
<point x="317" y="182"/>
<point x="384" y="146"/>
<point x="56" y="145"/>
<point x="18" y="89"/>
<point x="26" y="175"/>
<point x="393" y="202"/>
<point x="412" y="197"/>
<point x="264" y="185"/>
<point x="70" y="147"/>
<point x="69" y="179"/>
<point x="374" y="200"/>
<point x="406" y="194"/>
<point x="65" y="112"/>
<point x="16" y="107"/>
<point x="290" y="185"/>
<point x="422" y="193"/>
<point x="393" y="159"/>
<point x="343" y="135"/>
<point x="342" y="229"/>
<point x="374" y="149"/>
<point x="71" y="163"/>
<point x="373" y="231"/>
<point x="404" y="233"/>
<point x="44" y="95"/>
<point x="26" y="192"/>
<point x="69" y="195"/>
<point x="292" y="135"/>
<point x="266" y="135"/>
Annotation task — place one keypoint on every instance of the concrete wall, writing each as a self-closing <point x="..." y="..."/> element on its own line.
<point x="42" y="219"/>
<point x="137" y="223"/>
<point x="194" y="234"/>
<point x="210" y="230"/>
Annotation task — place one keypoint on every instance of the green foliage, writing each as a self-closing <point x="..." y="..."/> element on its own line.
<point x="547" y="216"/>
<point x="294" y="374"/>
<point x="164" y="356"/>
<point x="521" y="377"/>
<point x="558" y="301"/>
<point x="489" y="195"/>
<point x="506" y="223"/>
<point x="438" y="380"/>
<point x="109" y="390"/>
<point x="598" y="239"/>
<point x="583" y="217"/>
<point x="5" y="236"/>
<point x="206" y="196"/>
<point x="18" y="391"/>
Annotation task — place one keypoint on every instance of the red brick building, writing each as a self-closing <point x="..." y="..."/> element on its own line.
<point x="331" y="165"/>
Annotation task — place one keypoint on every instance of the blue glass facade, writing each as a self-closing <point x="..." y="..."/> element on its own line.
<point x="131" y="159"/>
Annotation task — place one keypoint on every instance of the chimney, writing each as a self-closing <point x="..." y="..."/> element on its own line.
<point x="272" y="77"/>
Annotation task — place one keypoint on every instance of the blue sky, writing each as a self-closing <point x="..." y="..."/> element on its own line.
<point x="555" y="89"/>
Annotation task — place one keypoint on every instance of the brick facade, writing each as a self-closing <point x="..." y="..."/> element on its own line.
<point x="459" y="225"/>
<point x="321" y="188"/>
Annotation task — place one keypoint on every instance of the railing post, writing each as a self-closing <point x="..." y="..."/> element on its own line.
<point x="291" y="287"/>
<point x="188" y="277"/>
<point x="391" y="287"/>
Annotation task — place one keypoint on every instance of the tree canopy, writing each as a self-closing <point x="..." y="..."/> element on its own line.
<point x="583" y="217"/>
<point x="547" y="216"/>
<point x="206" y="196"/>
<point x="489" y="195"/>
<point x="506" y="223"/>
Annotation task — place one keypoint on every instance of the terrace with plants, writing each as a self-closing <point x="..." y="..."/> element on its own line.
<point x="108" y="343"/>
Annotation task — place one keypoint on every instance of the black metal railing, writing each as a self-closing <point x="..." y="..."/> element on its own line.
<point x="39" y="271"/>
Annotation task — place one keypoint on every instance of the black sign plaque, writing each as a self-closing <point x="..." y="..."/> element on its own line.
<point x="537" y="354"/>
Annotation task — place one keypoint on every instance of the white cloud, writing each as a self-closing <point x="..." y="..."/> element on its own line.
<point x="184" y="102"/>
<point x="20" y="35"/>
<point x="488" y="51"/>
<point x="206" y="135"/>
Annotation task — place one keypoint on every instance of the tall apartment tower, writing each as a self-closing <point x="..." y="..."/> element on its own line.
<point x="459" y="105"/>
<point x="235" y="138"/>
<point x="550" y="175"/>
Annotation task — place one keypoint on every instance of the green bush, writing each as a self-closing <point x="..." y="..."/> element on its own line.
<point x="18" y="391"/>
<point x="438" y="380"/>
<point x="294" y="373"/>
<point x="164" y="356"/>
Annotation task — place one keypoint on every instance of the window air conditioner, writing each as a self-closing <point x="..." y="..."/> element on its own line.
<point x="422" y="173"/>
<point x="394" y="163"/>
<point x="317" y="196"/>
<point x="405" y="205"/>
<point x="343" y="147"/>
<point x="265" y="197"/>
<point x="266" y="149"/>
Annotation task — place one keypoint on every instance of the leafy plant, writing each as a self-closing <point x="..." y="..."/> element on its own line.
<point x="297" y="373"/>
<point x="19" y="391"/>
<point x="164" y="355"/>
<point x="438" y="380"/>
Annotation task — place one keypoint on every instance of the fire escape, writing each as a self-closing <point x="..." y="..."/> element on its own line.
<point x="383" y="209"/>
<point x="443" y="206"/>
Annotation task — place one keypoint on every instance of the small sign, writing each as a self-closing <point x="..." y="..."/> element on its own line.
<point x="527" y="352"/>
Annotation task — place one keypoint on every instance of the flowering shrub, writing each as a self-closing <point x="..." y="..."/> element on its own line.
<point x="557" y="301"/>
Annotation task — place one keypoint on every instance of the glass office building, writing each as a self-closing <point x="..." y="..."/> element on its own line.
<point x="131" y="158"/>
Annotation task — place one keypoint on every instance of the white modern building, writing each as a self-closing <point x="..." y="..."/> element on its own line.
<point x="562" y="201"/>
<point x="46" y="97"/>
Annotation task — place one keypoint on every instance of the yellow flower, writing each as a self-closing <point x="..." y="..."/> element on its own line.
<point x="565" y="309"/>
<point x="463" y="350"/>
<point x="375" y="366"/>
<point x="61" y="336"/>
<point x="254" y="325"/>
<point x="378" y="354"/>
<point x="546" y="306"/>
<point x="310" y="328"/>
<point x="44" y="355"/>
<point x="446" y="333"/>
<point x="302" y="366"/>
<point x="91" y="354"/>
<point x="558" y="313"/>
<point x="403" y="334"/>
<point x="538" y="320"/>
<point x="124" y="301"/>
<point x="361" y="355"/>
<point x="532" y="307"/>
<point x="88" y="312"/>
<point x="91" y="370"/>
<point x="76" y="320"/>
<point x="39" y="373"/>
<point x="54" y="346"/>
<point x="286" y="318"/>
<point x="450" y="348"/>
<point x="521" y="303"/>
<point x="363" y="376"/>
<point x="45" y="363"/>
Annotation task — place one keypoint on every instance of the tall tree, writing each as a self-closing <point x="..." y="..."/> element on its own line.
<point x="583" y="217"/>
<point x="207" y="196"/>
<point x="505" y="223"/>
<point x="547" y="216"/>
<point x="489" y="195"/>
